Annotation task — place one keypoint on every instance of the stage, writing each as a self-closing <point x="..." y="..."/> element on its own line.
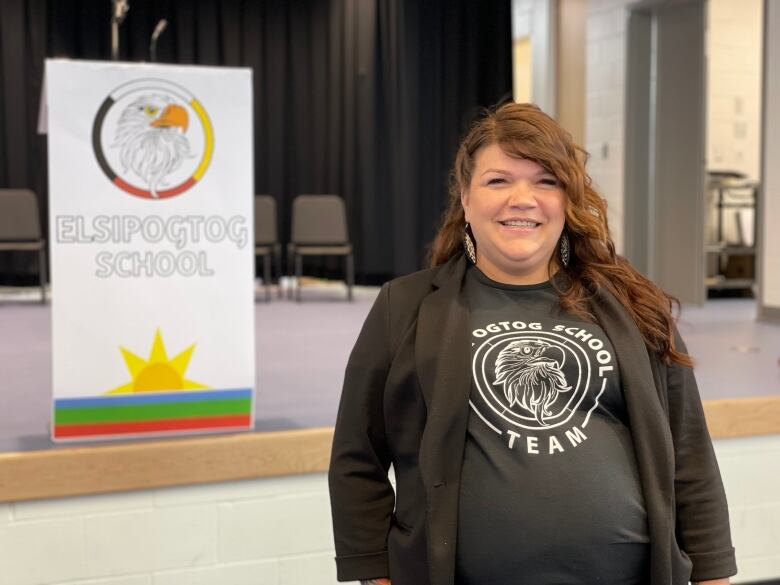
<point x="302" y="349"/>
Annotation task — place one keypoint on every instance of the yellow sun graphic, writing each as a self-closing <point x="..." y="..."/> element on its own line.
<point x="158" y="373"/>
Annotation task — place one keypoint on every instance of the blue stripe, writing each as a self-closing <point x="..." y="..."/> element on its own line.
<point x="153" y="398"/>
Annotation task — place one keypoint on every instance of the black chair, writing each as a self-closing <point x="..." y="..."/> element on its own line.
<point x="20" y="228"/>
<point x="319" y="228"/>
<point x="266" y="240"/>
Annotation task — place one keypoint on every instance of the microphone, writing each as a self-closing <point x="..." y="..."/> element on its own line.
<point x="158" y="30"/>
<point x="120" y="8"/>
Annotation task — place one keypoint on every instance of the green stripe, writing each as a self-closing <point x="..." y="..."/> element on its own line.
<point x="151" y="411"/>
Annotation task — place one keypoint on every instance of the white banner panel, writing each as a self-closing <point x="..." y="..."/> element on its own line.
<point x="152" y="254"/>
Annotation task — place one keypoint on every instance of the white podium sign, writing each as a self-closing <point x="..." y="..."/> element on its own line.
<point x="152" y="254"/>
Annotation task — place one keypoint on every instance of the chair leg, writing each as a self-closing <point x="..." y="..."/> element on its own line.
<point x="290" y="269"/>
<point x="42" y="273"/>
<point x="278" y="262"/>
<point x="267" y="275"/>
<point x="254" y="277"/>
<point x="298" y="271"/>
<point x="350" y="275"/>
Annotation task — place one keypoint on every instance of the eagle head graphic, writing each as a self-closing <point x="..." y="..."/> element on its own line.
<point x="151" y="136"/>
<point x="530" y="372"/>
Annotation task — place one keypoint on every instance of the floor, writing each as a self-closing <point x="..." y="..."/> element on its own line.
<point x="302" y="349"/>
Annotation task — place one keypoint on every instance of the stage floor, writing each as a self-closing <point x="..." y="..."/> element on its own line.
<point x="302" y="349"/>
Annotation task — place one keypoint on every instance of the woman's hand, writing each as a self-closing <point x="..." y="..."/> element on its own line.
<point x="382" y="582"/>
<point x="711" y="582"/>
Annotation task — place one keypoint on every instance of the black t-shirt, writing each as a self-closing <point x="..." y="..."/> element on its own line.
<point x="550" y="491"/>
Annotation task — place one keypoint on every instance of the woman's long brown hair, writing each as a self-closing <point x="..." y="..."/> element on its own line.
<point x="524" y="131"/>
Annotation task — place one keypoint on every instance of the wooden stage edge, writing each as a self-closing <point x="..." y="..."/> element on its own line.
<point x="75" y="471"/>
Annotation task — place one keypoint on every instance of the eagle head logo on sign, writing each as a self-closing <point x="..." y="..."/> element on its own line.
<point x="152" y="138"/>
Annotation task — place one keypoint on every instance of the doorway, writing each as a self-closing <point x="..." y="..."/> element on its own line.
<point x="693" y="145"/>
<point x="665" y="145"/>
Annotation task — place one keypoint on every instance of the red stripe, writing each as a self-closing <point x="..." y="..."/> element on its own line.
<point x="151" y="426"/>
<point x="146" y="194"/>
<point x="130" y="189"/>
<point x="176" y="190"/>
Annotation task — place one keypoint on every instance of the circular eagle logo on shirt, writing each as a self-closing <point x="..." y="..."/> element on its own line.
<point x="529" y="371"/>
<point x="152" y="138"/>
<point x="530" y="380"/>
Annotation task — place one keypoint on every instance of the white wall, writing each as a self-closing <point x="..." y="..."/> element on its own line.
<point x="274" y="531"/>
<point x="277" y="531"/>
<point x="734" y="44"/>
<point x="605" y="105"/>
<point x="734" y="85"/>
<point x="750" y="468"/>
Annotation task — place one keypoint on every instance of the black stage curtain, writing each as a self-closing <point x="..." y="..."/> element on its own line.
<point x="363" y="98"/>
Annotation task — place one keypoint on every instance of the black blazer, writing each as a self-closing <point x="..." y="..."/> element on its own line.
<point x="405" y="403"/>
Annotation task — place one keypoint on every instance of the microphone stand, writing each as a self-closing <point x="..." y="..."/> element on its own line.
<point x="118" y="13"/>
<point x="158" y="30"/>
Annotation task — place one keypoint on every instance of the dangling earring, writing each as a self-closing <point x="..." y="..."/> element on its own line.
<point x="565" y="249"/>
<point x="468" y="245"/>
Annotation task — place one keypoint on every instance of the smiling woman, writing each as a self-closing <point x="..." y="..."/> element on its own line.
<point x="532" y="378"/>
